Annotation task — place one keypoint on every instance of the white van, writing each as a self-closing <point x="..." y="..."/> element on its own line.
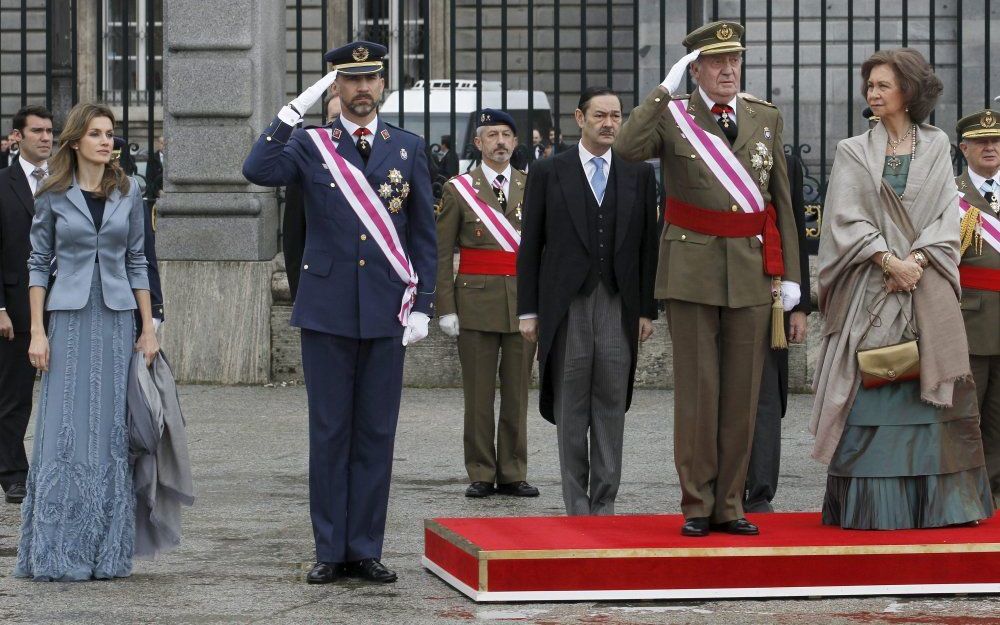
<point x="412" y="117"/>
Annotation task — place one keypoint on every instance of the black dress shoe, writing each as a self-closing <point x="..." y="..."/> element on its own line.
<point x="518" y="489"/>
<point x="15" y="493"/>
<point x="741" y="527"/>
<point x="695" y="526"/>
<point x="323" y="573"/>
<point x="371" y="570"/>
<point x="479" y="489"/>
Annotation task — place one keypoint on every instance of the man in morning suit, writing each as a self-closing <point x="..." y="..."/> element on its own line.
<point x="979" y="271"/>
<point x="365" y="292"/>
<point x="18" y="183"/>
<point x="729" y="249"/>
<point x="585" y="270"/>
<point x="481" y="214"/>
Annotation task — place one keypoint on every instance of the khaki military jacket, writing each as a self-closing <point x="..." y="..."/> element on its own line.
<point x="702" y="268"/>
<point x="981" y="309"/>
<point x="483" y="303"/>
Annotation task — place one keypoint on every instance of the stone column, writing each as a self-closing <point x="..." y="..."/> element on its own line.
<point x="217" y="235"/>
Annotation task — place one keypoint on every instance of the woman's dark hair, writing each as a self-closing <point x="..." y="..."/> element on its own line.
<point x="916" y="78"/>
<point x="592" y="92"/>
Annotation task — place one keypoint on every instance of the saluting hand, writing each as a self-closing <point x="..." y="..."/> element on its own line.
<point x="676" y="74"/>
<point x="293" y="112"/>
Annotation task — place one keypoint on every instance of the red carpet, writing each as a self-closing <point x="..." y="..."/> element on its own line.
<point x="645" y="557"/>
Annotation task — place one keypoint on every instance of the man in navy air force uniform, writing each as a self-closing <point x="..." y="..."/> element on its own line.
<point x="366" y="291"/>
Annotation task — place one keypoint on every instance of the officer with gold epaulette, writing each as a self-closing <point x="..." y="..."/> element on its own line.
<point x="727" y="265"/>
<point x="481" y="214"/>
<point x="979" y="271"/>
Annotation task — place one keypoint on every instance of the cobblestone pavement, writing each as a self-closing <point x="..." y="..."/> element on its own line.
<point x="248" y="541"/>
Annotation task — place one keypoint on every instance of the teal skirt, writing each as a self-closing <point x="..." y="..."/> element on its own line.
<point x="904" y="464"/>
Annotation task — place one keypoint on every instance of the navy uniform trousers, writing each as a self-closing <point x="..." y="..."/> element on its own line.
<point x="347" y="305"/>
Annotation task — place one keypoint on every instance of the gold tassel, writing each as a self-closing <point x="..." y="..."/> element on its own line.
<point x="778" y="340"/>
<point x="971" y="233"/>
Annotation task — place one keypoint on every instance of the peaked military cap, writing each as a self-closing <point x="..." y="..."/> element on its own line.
<point x="493" y="117"/>
<point x="357" y="57"/>
<point x="985" y="123"/>
<point x="716" y="38"/>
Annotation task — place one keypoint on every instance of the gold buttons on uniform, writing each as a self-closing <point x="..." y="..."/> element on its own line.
<point x="735" y="208"/>
<point x="305" y="266"/>
<point x="364" y="237"/>
<point x="267" y="138"/>
<point x="693" y="156"/>
<point x="656" y="99"/>
<point x="362" y="262"/>
<point x="684" y="237"/>
<point x="333" y="186"/>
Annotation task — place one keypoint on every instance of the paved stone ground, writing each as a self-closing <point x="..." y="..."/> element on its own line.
<point x="248" y="541"/>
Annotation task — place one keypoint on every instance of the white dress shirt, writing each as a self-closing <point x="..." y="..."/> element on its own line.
<point x="28" y="170"/>
<point x="492" y="175"/>
<point x="709" y="102"/>
<point x="977" y="181"/>
<point x="589" y="168"/>
<point x="351" y="127"/>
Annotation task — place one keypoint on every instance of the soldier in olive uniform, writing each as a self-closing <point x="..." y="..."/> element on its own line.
<point x="719" y="299"/>
<point x="481" y="214"/>
<point x="979" y="186"/>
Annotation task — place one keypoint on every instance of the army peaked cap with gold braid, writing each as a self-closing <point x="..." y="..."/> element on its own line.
<point x="716" y="38"/>
<point x="358" y="57"/>
<point x="985" y="123"/>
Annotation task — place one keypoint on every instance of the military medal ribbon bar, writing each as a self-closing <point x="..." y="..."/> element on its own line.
<point x="369" y="208"/>
<point x="720" y="160"/>
<point x="990" y="225"/>
<point x="499" y="227"/>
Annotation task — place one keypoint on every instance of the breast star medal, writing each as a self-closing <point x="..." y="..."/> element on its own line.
<point x="761" y="161"/>
<point x="385" y="191"/>
<point x="394" y="190"/>
<point x="395" y="176"/>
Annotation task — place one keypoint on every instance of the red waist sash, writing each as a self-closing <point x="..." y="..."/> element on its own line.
<point x="982" y="278"/>
<point x="740" y="224"/>
<point x="487" y="262"/>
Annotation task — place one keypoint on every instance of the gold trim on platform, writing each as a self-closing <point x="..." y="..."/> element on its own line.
<point x="453" y="537"/>
<point x="716" y="552"/>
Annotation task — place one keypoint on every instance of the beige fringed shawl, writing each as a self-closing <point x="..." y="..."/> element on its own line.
<point x="863" y="216"/>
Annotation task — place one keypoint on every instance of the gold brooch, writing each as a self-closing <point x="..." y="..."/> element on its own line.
<point x="725" y="33"/>
<point x="360" y="54"/>
<point x="988" y="121"/>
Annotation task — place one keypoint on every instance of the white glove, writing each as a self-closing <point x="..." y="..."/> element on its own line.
<point x="292" y="112"/>
<point x="416" y="328"/>
<point x="449" y="325"/>
<point x="156" y="324"/>
<point x="790" y="295"/>
<point x="673" y="80"/>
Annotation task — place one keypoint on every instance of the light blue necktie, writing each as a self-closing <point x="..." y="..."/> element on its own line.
<point x="598" y="182"/>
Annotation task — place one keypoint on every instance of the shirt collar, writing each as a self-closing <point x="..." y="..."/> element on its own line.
<point x="29" y="168"/>
<point x="586" y="156"/>
<point x="351" y="127"/>
<point x="977" y="180"/>
<point x="491" y="175"/>
<point x="709" y="102"/>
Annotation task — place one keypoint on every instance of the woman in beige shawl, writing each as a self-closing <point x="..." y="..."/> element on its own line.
<point x="907" y="454"/>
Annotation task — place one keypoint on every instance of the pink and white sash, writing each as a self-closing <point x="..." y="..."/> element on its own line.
<point x="990" y="224"/>
<point x="371" y="212"/>
<point x="720" y="160"/>
<point x="497" y="224"/>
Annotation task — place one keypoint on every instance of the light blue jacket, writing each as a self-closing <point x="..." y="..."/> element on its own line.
<point x="64" y="230"/>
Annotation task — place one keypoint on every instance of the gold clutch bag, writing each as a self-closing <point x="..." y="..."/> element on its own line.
<point x="893" y="363"/>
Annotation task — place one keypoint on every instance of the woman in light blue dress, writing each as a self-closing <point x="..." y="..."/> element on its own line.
<point x="78" y="518"/>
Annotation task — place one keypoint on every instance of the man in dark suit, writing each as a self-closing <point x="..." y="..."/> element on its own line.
<point x="154" y="171"/>
<point x="18" y="183"/>
<point x="449" y="160"/>
<point x="586" y="268"/>
<point x="370" y="213"/>
<point x="765" y="454"/>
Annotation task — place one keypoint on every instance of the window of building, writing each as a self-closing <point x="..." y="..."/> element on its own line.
<point x="398" y="24"/>
<point x="137" y="14"/>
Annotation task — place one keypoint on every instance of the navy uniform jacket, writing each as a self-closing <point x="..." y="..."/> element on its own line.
<point x="347" y="287"/>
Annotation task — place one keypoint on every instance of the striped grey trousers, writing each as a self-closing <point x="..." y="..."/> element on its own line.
<point x="591" y="358"/>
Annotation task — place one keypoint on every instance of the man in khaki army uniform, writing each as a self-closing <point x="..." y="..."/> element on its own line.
<point x="481" y="214"/>
<point x="979" y="187"/>
<point x="728" y="250"/>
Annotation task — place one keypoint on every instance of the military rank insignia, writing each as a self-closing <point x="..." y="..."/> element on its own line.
<point x="761" y="161"/>
<point x="394" y="191"/>
<point x="336" y="134"/>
